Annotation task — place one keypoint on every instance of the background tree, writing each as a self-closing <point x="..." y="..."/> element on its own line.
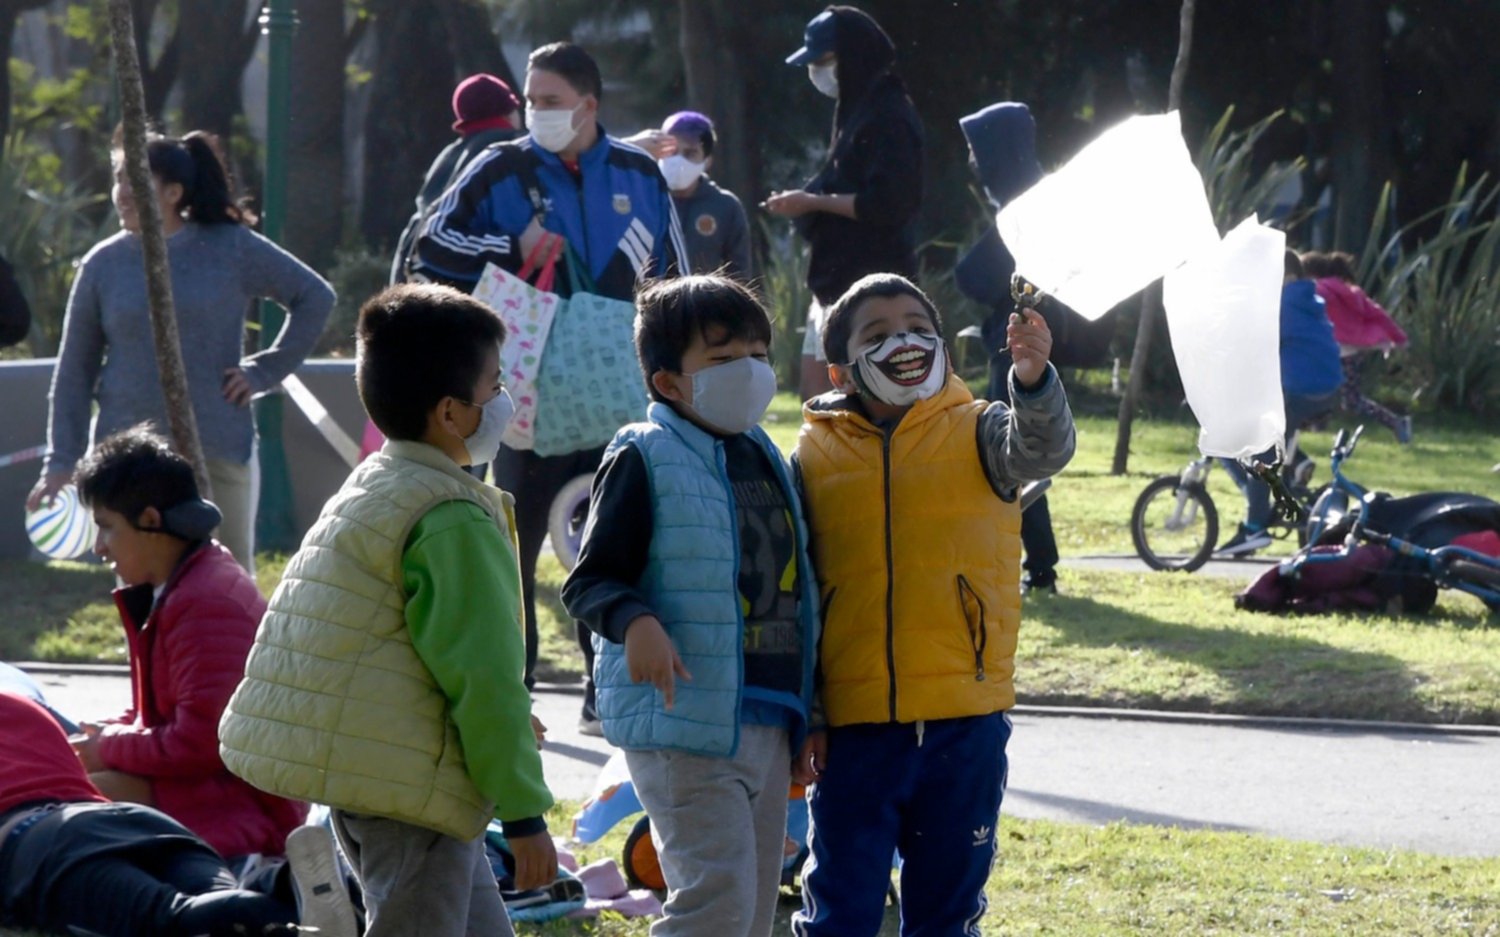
<point x="315" y="143"/>
<point x="10" y="11"/>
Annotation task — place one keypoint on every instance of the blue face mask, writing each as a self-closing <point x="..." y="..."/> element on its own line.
<point x="484" y="443"/>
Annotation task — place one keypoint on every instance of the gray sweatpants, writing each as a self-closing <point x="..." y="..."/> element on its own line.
<point x="719" y="826"/>
<point x="419" y="881"/>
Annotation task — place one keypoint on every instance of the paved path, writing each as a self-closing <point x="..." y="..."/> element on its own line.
<point x="1382" y="787"/>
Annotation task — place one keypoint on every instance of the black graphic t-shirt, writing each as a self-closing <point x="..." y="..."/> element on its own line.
<point x="768" y="570"/>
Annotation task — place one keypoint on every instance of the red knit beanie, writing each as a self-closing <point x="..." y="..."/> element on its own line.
<point x="483" y="102"/>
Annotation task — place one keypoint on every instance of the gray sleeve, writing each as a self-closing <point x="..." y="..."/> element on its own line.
<point x="267" y="271"/>
<point x="79" y="360"/>
<point x="1032" y="439"/>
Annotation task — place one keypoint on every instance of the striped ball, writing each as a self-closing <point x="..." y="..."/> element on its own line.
<point x="62" y="528"/>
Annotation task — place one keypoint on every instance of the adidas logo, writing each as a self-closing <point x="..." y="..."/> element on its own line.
<point x="982" y="836"/>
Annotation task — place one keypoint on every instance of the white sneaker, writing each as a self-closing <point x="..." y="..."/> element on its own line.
<point x="323" y="899"/>
<point x="1244" y="542"/>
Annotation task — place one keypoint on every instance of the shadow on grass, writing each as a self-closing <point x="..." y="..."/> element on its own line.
<point x="55" y="603"/>
<point x="1246" y="672"/>
<point x="1080" y="810"/>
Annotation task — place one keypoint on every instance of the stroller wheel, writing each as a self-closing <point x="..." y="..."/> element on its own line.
<point x="642" y="866"/>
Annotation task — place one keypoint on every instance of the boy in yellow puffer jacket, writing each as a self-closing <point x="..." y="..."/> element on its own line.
<point x="386" y="677"/>
<point x="911" y="491"/>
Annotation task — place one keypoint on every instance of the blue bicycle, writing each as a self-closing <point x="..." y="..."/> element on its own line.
<point x="1419" y="530"/>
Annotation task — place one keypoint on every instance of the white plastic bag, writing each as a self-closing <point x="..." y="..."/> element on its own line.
<point x="1128" y="208"/>
<point x="1224" y="314"/>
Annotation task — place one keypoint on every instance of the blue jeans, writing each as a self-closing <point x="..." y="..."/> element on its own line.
<point x="931" y="791"/>
<point x="1299" y="411"/>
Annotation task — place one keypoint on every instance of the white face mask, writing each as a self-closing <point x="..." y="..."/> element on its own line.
<point x="680" y="172"/>
<point x="552" y="130"/>
<point x="733" y="396"/>
<point x="902" y="369"/>
<point x="825" y="78"/>
<point x="484" y="443"/>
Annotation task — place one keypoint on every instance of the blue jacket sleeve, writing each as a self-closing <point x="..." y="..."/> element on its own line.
<point x="479" y="220"/>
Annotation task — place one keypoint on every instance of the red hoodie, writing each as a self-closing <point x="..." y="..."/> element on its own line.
<point x="187" y="655"/>
<point x="36" y="761"/>
<point x="1358" y="321"/>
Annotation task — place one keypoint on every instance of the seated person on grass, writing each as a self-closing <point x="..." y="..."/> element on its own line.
<point x="190" y="612"/>
<point x="72" y="862"/>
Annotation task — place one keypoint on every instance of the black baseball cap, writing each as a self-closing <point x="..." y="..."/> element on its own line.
<point x="817" y="40"/>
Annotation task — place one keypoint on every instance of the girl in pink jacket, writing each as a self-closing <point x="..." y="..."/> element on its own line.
<point x="1360" y="327"/>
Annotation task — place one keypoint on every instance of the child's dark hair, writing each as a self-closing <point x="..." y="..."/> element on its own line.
<point x="134" y="470"/>
<point x="1332" y="264"/>
<point x="1293" y="265"/>
<point x="419" y="343"/>
<point x="576" y="66"/>
<point x="194" y="163"/>
<point x="671" y="313"/>
<point x="838" y="325"/>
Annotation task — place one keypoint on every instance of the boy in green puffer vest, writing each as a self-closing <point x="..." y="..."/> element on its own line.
<point x="386" y="678"/>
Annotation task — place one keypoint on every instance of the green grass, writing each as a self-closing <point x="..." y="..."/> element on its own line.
<point x="1142" y="641"/>
<point x="1075" y="880"/>
<point x="1080" y="881"/>
<point x="1159" y="641"/>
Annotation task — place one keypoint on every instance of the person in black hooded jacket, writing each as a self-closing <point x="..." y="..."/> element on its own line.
<point x="15" y="314"/>
<point x="1002" y="147"/>
<point x="858" y="214"/>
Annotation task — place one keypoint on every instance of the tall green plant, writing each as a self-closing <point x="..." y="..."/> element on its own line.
<point x="1439" y="275"/>
<point x="43" y="235"/>
<point x="783" y="287"/>
<point x="1234" y="190"/>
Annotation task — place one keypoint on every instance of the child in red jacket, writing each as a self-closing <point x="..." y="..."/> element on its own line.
<point x="1360" y="327"/>
<point x="190" y="612"/>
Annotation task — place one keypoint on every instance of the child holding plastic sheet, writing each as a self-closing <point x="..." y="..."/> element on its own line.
<point x="695" y="579"/>
<point x="1310" y="380"/>
<point x="911" y="488"/>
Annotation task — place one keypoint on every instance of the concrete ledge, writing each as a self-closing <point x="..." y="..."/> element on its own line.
<point x="1021" y="709"/>
<point x="1258" y="722"/>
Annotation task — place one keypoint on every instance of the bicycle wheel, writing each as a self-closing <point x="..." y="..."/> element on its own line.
<point x="566" y="518"/>
<point x="1480" y="574"/>
<point x="1174" y="526"/>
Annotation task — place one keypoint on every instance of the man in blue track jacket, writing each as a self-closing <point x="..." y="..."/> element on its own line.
<point x="567" y="178"/>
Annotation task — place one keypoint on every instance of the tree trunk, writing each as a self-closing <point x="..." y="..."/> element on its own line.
<point x="315" y="143"/>
<point x="159" y="78"/>
<point x="1358" y="128"/>
<point x="1151" y="299"/>
<point x="710" y="42"/>
<point x="174" y="385"/>
<point x="10" y="11"/>
<point x="213" y="62"/>
<point x="409" y="118"/>
<point x="472" y="38"/>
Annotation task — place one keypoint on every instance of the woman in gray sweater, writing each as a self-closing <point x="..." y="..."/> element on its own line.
<point x="219" y="267"/>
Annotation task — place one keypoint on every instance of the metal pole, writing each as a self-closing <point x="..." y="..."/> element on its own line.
<point x="275" y="527"/>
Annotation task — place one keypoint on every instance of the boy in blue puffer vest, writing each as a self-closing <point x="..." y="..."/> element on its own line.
<point x="694" y="578"/>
